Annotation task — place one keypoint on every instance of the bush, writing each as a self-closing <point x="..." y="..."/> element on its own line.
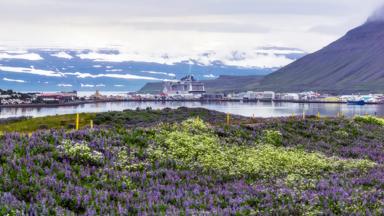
<point x="370" y="120"/>
<point x="80" y="152"/>
<point x="273" y="138"/>
<point x="192" y="144"/>
<point x="43" y="127"/>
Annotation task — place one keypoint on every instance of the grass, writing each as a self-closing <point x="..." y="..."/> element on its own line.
<point x="49" y="122"/>
<point x="127" y="118"/>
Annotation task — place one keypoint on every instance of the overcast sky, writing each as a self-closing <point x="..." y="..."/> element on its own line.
<point x="173" y="25"/>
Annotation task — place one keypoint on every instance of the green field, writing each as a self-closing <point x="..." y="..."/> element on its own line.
<point x="49" y="122"/>
<point x="128" y="118"/>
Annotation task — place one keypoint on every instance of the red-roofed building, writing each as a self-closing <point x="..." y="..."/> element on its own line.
<point x="60" y="97"/>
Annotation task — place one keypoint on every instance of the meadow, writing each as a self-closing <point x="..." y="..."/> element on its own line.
<point x="190" y="162"/>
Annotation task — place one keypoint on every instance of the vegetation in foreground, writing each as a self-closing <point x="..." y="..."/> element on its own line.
<point x="127" y="118"/>
<point x="26" y="124"/>
<point x="285" y="166"/>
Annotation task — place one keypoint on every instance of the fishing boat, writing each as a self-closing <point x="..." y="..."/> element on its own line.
<point x="356" y="102"/>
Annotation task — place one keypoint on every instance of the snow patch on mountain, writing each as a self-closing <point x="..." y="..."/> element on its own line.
<point x="31" y="71"/>
<point x="210" y="76"/>
<point x="64" y="85"/>
<point x="13" y="80"/>
<point x="114" y="70"/>
<point x="63" y="55"/>
<point x="24" y="56"/>
<point x="273" y="57"/>
<point x="129" y="70"/>
<point x="86" y="85"/>
<point x="160" y="73"/>
<point x="91" y="85"/>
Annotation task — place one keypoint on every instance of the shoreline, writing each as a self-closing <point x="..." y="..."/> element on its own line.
<point x="78" y="103"/>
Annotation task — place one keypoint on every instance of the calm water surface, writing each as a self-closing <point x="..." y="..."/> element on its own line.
<point x="246" y="109"/>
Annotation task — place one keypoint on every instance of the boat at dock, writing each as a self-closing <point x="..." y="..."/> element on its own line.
<point x="356" y="102"/>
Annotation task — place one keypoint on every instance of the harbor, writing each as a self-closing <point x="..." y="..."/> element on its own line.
<point x="187" y="89"/>
<point x="249" y="109"/>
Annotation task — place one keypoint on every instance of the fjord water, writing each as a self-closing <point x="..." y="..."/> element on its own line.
<point x="260" y="109"/>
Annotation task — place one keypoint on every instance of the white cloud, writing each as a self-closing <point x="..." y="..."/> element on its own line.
<point x="64" y="85"/>
<point x="118" y="85"/>
<point x="24" y="56"/>
<point x="100" y="85"/>
<point x="87" y="85"/>
<point x="13" y="80"/>
<point x="265" y="57"/>
<point x="102" y="57"/>
<point x="31" y="71"/>
<point x="63" y="55"/>
<point x="191" y="26"/>
<point x="278" y="51"/>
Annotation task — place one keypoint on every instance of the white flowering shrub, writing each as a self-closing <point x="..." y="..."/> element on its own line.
<point x="80" y="152"/>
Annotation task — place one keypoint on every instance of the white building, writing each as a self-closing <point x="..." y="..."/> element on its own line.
<point x="290" y="96"/>
<point x="250" y="95"/>
<point x="268" y="96"/>
<point x="187" y="85"/>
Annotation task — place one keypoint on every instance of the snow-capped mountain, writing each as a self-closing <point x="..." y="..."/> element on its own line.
<point x="115" y="70"/>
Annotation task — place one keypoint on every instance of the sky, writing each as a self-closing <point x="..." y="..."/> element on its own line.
<point x="174" y="25"/>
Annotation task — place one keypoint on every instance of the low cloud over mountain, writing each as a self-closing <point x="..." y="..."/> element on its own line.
<point x="112" y="69"/>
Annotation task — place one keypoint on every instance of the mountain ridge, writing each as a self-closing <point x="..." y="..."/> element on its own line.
<point x="354" y="63"/>
<point x="113" y="70"/>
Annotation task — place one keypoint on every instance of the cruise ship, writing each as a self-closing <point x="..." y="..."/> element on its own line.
<point x="187" y="85"/>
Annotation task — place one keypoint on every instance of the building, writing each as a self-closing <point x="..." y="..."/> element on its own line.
<point x="209" y="97"/>
<point x="97" y="96"/>
<point x="187" y="85"/>
<point x="288" y="96"/>
<point x="310" y="95"/>
<point x="252" y="96"/>
<point x="60" y="97"/>
<point x="268" y="96"/>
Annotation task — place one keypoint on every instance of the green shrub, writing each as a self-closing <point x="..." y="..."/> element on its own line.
<point x="80" y="152"/>
<point x="273" y="138"/>
<point x="192" y="144"/>
<point x="370" y="120"/>
<point x="341" y="134"/>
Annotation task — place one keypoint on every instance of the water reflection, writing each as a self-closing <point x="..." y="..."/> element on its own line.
<point x="260" y="109"/>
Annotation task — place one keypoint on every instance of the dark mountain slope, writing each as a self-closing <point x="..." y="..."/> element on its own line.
<point x="354" y="63"/>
